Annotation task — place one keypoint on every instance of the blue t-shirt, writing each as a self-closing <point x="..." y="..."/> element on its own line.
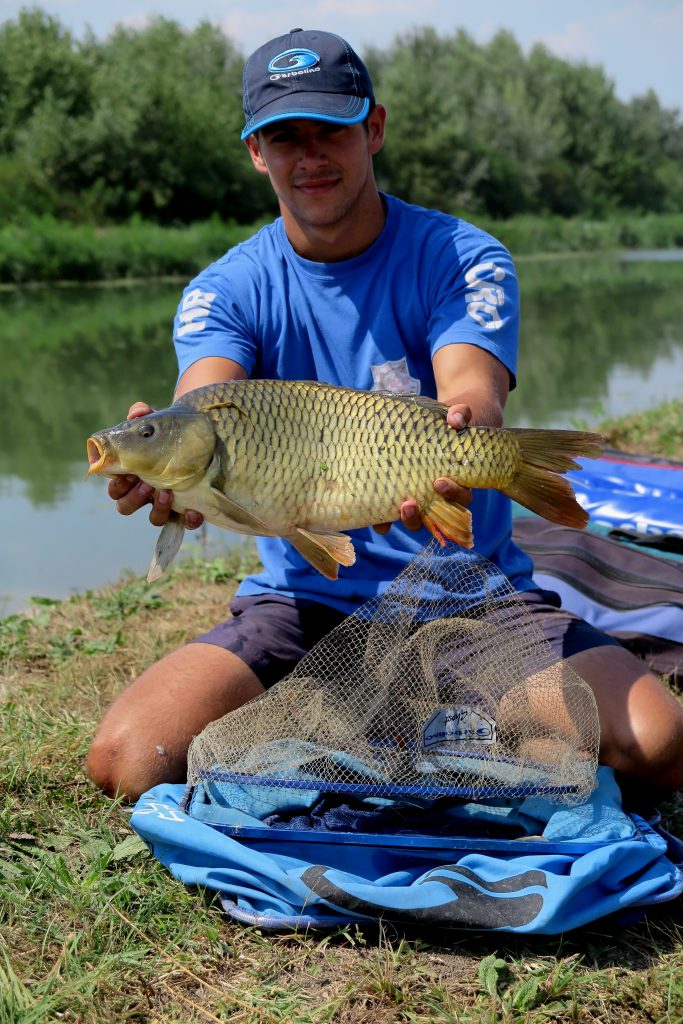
<point x="371" y="322"/>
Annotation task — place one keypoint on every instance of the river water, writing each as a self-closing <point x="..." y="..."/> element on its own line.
<point x="601" y="337"/>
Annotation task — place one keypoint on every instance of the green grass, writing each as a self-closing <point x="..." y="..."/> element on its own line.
<point x="43" y="249"/>
<point x="47" y="250"/>
<point x="658" y="431"/>
<point x="93" y="929"/>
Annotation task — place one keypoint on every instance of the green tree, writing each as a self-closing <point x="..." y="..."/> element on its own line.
<point x="147" y="122"/>
<point x="164" y="139"/>
<point x="39" y="62"/>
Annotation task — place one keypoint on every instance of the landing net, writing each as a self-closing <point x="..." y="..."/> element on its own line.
<point x="442" y="687"/>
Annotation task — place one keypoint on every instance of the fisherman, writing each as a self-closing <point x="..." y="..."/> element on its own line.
<point x="352" y="287"/>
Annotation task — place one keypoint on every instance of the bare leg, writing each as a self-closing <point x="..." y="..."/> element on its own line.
<point x="143" y="737"/>
<point x="641" y="722"/>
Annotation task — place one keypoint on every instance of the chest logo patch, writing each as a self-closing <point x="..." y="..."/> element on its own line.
<point x="394" y="376"/>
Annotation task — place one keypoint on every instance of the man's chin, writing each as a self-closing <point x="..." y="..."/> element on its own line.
<point x="318" y="218"/>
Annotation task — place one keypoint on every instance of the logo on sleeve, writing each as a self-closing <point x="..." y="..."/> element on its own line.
<point x="394" y="376"/>
<point x="194" y="310"/>
<point x="485" y="296"/>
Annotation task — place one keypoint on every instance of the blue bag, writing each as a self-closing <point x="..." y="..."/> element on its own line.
<point x="520" y="865"/>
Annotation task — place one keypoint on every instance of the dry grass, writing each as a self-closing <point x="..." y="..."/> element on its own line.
<point x="94" y="929"/>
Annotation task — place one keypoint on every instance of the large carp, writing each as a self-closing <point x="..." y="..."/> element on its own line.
<point x="303" y="461"/>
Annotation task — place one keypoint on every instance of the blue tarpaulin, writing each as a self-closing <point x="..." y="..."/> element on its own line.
<point x="577" y="865"/>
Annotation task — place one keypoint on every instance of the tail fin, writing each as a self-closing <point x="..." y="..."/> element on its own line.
<point x="543" y="455"/>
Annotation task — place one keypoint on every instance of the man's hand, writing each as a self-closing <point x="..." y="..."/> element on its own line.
<point x="458" y="417"/>
<point x="130" y="493"/>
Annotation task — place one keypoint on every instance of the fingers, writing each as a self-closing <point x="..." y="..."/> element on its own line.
<point x="382" y="527"/>
<point x="410" y="515"/>
<point x="161" y="508"/>
<point x="458" y="416"/>
<point x="451" y="491"/>
<point x="118" y="486"/>
<point x="139" y="409"/>
<point x="130" y="494"/>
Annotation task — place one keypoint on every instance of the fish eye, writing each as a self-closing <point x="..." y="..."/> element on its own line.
<point x="147" y="430"/>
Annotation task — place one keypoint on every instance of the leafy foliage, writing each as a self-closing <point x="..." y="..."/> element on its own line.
<point x="147" y="121"/>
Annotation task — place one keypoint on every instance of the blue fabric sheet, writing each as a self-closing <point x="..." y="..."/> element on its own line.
<point x="582" y="864"/>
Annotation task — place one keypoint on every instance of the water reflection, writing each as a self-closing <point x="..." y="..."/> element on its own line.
<point x="588" y="325"/>
<point x="600" y="337"/>
<point x="74" y="360"/>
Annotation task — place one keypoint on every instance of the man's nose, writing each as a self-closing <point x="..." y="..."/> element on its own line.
<point x="312" y="149"/>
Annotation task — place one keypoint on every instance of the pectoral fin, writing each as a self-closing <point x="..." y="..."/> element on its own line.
<point x="240" y="518"/>
<point x="325" y="551"/>
<point x="446" y="520"/>
<point x="167" y="546"/>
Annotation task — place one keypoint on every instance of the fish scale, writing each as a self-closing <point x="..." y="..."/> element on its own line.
<point x="304" y="460"/>
<point x="323" y="429"/>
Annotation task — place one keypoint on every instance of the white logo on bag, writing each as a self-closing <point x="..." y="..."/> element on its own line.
<point x="485" y="298"/>
<point x="394" y="376"/>
<point x="454" y="725"/>
<point x="165" y="811"/>
<point x="196" y="305"/>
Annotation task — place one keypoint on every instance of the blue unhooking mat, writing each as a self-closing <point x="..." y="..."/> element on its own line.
<point x="521" y="865"/>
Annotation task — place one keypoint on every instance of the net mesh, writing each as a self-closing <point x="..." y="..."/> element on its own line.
<point x="444" y="686"/>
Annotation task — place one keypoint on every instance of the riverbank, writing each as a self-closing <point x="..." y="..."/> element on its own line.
<point x="94" y="929"/>
<point x="47" y="250"/>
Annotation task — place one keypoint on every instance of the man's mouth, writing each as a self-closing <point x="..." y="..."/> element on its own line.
<point x="316" y="186"/>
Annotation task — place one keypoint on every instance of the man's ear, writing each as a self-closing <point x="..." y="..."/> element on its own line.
<point x="376" y="122"/>
<point x="251" y="142"/>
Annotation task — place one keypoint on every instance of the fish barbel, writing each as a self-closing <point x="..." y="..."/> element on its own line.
<point x="303" y="461"/>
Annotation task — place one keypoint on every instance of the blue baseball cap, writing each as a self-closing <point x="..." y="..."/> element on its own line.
<point x="305" y="74"/>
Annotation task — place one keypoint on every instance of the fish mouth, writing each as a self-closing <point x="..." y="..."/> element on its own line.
<point x="98" y="457"/>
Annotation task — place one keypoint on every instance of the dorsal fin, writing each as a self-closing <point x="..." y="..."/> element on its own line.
<point x="421" y="401"/>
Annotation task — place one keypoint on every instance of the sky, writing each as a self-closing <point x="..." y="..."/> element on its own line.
<point x="638" y="42"/>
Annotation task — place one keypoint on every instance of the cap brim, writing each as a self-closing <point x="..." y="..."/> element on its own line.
<point x="314" y="106"/>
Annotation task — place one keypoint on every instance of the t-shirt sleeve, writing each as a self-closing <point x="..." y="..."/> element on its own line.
<point x="210" y="322"/>
<point x="476" y="300"/>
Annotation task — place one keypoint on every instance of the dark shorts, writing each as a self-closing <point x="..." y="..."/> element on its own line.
<point x="272" y="633"/>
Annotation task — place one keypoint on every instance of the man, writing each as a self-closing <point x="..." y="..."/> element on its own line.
<point x="355" y="288"/>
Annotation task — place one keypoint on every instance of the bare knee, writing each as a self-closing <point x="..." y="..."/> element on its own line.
<point x="144" y="736"/>
<point x="641" y="721"/>
<point x="120" y="765"/>
<point x="653" y="753"/>
<point x="102" y="765"/>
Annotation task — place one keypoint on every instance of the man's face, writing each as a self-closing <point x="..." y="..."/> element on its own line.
<point x="319" y="170"/>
